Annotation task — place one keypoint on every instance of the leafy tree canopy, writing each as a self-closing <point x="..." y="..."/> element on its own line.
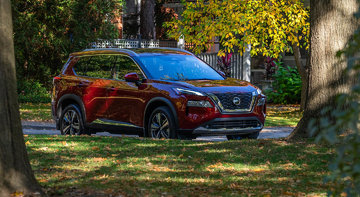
<point x="45" y="32"/>
<point x="270" y="26"/>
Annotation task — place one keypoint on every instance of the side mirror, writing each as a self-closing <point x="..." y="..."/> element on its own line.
<point x="132" y="77"/>
<point x="222" y="74"/>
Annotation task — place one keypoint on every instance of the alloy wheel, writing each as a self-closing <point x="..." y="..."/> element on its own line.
<point x="160" y="126"/>
<point x="71" y="123"/>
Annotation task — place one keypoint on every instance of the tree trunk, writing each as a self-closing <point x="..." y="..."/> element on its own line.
<point x="332" y="24"/>
<point x="303" y="71"/>
<point x="15" y="170"/>
<point x="147" y="19"/>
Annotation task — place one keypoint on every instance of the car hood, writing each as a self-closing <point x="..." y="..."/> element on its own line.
<point x="218" y="86"/>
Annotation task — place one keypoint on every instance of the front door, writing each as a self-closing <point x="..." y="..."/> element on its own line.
<point x="125" y="98"/>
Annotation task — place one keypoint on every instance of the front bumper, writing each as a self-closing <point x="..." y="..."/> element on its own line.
<point x="230" y="126"/>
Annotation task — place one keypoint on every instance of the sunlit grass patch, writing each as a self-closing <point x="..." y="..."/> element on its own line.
<point x="140" y="167"/>
<point x="283" y="115"/>
<point x="35" y="111"/>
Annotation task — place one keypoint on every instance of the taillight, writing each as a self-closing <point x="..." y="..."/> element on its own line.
<point x="56" y="79"/>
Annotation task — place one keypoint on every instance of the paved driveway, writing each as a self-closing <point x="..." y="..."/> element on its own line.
<point x="44" y="128"/>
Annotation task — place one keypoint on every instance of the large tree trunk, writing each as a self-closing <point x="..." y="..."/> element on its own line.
<point x="147" y="19"/>
<point x="15" y="171"/>
<point x="332" y="24"/>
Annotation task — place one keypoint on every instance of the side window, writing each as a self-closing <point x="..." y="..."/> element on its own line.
<point x="81" y="65"/>
<point x="125" y="65"/>
<point x="101" y="66"/>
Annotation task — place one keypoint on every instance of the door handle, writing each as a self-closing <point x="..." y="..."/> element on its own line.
<point x="82" y="84"/>
<point x="111" y="89"/>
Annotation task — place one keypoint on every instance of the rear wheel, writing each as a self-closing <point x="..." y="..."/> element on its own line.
<point x="254" y="135"/>
<point x="161" y="124"/>
<point x="71" y="122"/>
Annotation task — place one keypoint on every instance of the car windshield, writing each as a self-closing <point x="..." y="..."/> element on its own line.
<point x="178" y="67"/>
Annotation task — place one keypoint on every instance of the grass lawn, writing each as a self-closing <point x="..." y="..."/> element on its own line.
<point x="277" y="115"/>
<point x="282" y="115"/>
<point x="100" y="166"/>
<point x="35" y="111"/>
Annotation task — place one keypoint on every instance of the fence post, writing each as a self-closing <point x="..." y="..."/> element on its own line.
<point x="139" y="41"/>
<point x="246" y="64"/>
<point x="181" y="42"/>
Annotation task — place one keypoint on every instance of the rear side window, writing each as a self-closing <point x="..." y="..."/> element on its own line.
<point x="101" y="66"/>
<point x="81" y="65"/>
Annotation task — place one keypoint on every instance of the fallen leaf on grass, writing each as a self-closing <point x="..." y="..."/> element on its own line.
<point x="64" y="143"/>
<point x="99" y="159"/>
<point x="289" y="193"/>
<point x="17" y="194"/>
<point x="95" y="148"/>
<point x="258" y="170"/>
<point x="44" y="148"/>
<point x="27" y="143"/>
<point x="43" y="181"/>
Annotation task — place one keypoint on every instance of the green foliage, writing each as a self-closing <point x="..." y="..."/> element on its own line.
<point x="286" y="86"/>
<point x="33" y="92"/>
<point x="270" y="26"/>
<point x="339" y="125"/>
<point x="45" y="32"/>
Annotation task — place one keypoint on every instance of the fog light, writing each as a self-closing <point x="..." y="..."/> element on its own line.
<point x="199" y="104"/>
<point x="261" y="102"/>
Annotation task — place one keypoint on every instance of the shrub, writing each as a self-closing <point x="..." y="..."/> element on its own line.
<point x="32" y="92"/>
<point x="286" y="86"/>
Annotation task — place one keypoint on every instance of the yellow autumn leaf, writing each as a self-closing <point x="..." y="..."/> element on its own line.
<point x="258" y="170"/>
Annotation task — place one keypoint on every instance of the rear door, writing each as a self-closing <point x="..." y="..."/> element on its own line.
<point x="95" y="73"/>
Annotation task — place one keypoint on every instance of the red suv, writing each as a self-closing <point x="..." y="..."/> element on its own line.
<point x="158" y="93"/>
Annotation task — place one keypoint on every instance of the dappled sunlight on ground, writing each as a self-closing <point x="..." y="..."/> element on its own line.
<point x="135" y="166"/>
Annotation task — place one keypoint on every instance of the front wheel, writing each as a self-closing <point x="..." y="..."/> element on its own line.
<point x="161" y="124"/>
<point x="71" y="121"/>
<point x="254" y="135"/>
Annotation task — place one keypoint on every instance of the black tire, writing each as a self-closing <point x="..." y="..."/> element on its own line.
<point x="254" y="135"/>
<point x="186" y="137"/>
<point x="71" y="121"/>
<point x="161" y="124"/>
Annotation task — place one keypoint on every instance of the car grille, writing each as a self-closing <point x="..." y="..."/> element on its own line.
<point x="226" y="101"/>
<point x="233" y="124"/>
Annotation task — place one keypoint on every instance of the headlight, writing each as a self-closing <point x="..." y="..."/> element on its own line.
<point x="186" y="91"/>
<point x="261" y="101"/>
<point x="199" y="104"/>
